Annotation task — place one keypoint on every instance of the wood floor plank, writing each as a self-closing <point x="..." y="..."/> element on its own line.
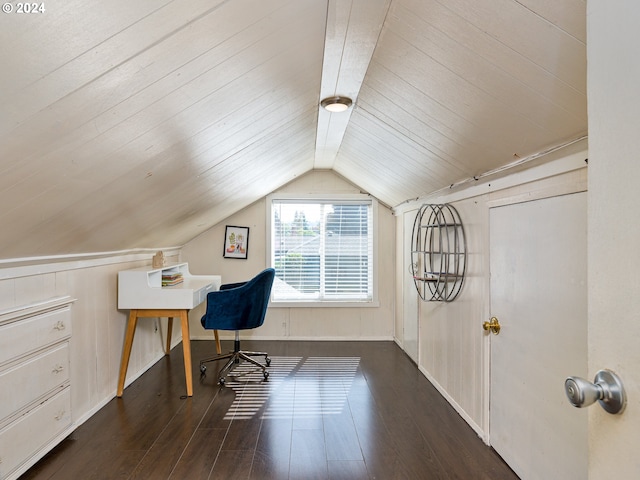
<point x="307" y="446"/>
<point x="232" y="464"/>
<point x="269" y="466"/>
<point x="330" y="410"/>
<point x="200" y="455"/>
<point x="341" y="439"/>
<point x="347" y="470"/>
<point x="273" y="449"/>
<point x="107" y="466"/>
<point x="308" y="455"/>
<point x="215" y="415"/>
<point x="275" y="438"/>
<point x="243" y="434"/>
<point x="169" y="446"/>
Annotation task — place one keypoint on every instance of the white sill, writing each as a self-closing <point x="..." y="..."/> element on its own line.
<point x="312" y="304"/>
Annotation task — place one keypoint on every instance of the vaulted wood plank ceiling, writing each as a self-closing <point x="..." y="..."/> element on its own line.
<point x="141" y="124"/>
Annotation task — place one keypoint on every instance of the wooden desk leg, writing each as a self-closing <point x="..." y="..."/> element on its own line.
<point x="126" y="350"/>
<point x="217" y="337"/>
<point x="169" y="332"/>
<point x="186" y="351"/>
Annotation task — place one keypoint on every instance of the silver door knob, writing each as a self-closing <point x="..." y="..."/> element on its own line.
<point x="606" y="388"/>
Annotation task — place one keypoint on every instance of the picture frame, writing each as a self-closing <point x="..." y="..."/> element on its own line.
<point x="236" y="242"/>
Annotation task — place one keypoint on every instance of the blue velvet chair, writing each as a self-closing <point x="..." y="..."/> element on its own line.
<point x="238" y="306"/>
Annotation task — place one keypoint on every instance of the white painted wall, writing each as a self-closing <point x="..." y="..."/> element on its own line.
<point x="614" y="229"/>
<point x="453" y="348"/>
<point x="204" y="254"/>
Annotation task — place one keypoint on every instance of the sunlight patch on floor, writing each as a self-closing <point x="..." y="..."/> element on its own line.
<point x="297" y="387"/>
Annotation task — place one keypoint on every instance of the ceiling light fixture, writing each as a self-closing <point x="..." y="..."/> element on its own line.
<point x="336" y="104"/>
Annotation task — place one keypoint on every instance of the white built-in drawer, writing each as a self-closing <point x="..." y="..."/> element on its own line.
<point x="27" y="435"/>
<point x="28" y="335"/>
<point x="23" y="383"/>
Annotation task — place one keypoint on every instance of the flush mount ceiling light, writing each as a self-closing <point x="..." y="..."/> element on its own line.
<point x="336" y="104"/>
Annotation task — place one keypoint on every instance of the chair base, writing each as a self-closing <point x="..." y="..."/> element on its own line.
<point x="234" y="358"/>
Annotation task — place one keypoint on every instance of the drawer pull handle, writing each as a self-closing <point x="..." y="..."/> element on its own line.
<point x="60" y="415"/>
<point x="60" y="325"/>
<point x="58" y="369"/>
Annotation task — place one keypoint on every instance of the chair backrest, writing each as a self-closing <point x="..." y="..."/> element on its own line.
<point x="239" y="306"/>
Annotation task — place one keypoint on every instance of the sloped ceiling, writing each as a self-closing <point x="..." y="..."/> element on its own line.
<point x="141" y="124"/>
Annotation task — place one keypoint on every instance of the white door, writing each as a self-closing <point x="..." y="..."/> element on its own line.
<point x="410" y="294"/>
<point x="538" y="257"/>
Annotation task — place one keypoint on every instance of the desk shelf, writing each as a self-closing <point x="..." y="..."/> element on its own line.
<point x="438" y="253"/>
<point x="141" y="288"/>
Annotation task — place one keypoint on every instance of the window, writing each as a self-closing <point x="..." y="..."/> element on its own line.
<point x="322" y="249"/>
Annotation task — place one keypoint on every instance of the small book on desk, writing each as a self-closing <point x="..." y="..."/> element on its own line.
<point x="171" y="279"/>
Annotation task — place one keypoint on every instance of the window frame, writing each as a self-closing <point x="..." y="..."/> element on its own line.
<point x="311" y="198"/>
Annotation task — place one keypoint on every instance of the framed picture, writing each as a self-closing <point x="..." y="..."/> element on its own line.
<point x="236" y="242"/>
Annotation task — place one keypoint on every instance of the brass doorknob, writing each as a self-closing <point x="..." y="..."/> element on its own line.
<point x="493" y="325"/>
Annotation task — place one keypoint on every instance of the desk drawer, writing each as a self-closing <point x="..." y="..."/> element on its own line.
<point x="26" y="436"/>
<point x="32" y="379"/>
<point x="28" y="335"/>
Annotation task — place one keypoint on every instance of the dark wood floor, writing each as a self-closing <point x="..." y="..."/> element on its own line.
<point x="330" y="410"/>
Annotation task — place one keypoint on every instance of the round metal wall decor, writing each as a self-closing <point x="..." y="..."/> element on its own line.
<point x="438" y="253"/>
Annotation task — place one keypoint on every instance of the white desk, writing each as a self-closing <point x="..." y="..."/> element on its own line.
<point x="141" y="292"/>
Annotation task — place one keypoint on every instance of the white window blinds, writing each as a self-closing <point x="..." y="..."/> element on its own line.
<point x="322" y="250"/>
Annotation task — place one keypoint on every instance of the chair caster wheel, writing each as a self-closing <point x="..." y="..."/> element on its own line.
<point x="203" y="368"/>
<point x="265" y="374"/>
<point x="267" y="361"/>
<point x="221" y="382"/>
